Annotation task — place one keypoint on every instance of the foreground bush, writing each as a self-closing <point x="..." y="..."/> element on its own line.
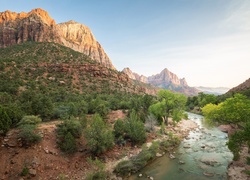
<point x="28" y="136"/>
<point x="67" y="133"/>
<point x="99" y="136"/>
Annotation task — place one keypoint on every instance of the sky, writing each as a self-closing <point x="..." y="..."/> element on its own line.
<point x="205" y="41"/>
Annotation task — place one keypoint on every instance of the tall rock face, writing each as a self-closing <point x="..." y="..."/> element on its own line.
<point x="37" y="25"/>
<point x="80" y="38"/>
<point x="166" y="80"/>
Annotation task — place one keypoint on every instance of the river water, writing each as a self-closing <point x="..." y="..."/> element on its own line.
<point x="202" y="155"/>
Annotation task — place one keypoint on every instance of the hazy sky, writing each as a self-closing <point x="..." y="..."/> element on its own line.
<point x="205" y="41"/>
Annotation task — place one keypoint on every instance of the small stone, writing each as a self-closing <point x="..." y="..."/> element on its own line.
<point x="46" y="150"/>
<point x="32" y="172"/>
<point x="158" y="155"/>
<point x="171" y="156"/>
<point x="140" y="175"/>
<point x="181" y="162"/>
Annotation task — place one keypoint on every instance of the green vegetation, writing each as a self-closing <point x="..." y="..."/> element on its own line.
<point x="51" y="81"/>
<point x="67" y="133"/>
<point x="99" y="136"/>
<point x="195" y="103"/>
<point x="235" y="110"/>
<point x="137" y="162"/>
<point x="27" y="133"/>
<point x="98" y="171"/>
<point x="169" y="105"/>
<point x="24" y="172"/>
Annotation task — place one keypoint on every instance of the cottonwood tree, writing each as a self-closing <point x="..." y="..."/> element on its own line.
<point x="234" y="110"/>
<point x="169" y="105"/>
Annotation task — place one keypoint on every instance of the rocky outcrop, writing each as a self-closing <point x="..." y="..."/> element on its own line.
<point x="166" y="80"/>
<point x="135" y="76"/>
<point x="37" y="25"/>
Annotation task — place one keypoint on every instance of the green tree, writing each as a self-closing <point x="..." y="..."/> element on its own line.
<point x="169" y="105"/>
<point x="235" y="110"/>
<point x="68" y="144"/>
<point x="135" y="129"/>
<point x="99" y="136"/>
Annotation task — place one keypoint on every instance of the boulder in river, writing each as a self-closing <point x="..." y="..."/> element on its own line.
<point x="171" y="156"/>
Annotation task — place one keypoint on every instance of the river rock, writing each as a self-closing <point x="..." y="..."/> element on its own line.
<point x="209" y="161"/>
<point x="186" y="146"/>
<point x="158" y="155"/>
<point x="171" y="156"/>
<point x="208" y="174"/>
<point x="181" y="162"/>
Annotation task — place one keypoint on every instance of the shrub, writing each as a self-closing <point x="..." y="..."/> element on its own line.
<point x="97" y="170"/>
<point x="119" y="128"/>
<point x="32" y="120"/>
<point x="135" y="129"/>
<point x="98" y="135"/>
<point x="5" y="121"/>
<point x="68" y="144"/>
<point x="24" y="172"/>
<point x="72" y="126"/>
<point x="67" y="132"/>
<point x="27" y="135"/>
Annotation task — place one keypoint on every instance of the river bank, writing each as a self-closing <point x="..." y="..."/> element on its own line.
<point x="181" y="130"/>
<point x="202" y="155"/>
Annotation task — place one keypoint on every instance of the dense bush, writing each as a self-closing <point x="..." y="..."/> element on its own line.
<point x="73" y="126"/>
<point x="135" y="129"/>
<point x="32" y="120"/>
<point x="68" y="144"/>
<point x="99" y="136"/>
<point x="5" y="121"/>
<point x="67" y="133"/>
<point x="27" y="135"/>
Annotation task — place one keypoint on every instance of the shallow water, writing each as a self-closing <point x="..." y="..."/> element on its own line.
<point x="203" y="152"/>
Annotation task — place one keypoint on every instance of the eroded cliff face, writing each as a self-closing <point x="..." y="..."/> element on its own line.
<point x="80" y="38"/>
<point x="37" y="25"/>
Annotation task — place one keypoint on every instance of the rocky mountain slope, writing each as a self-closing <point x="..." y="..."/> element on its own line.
<point x="37" y="25"/>
<point x="165" y="79"/>
<point x="55" y="66"/>
<point x="243" y="88"/>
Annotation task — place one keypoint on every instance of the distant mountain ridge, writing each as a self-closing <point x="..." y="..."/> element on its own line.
<point x="213" y="90"/>
<point x="37" y="25"/>
<point x="165" y="79"/>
